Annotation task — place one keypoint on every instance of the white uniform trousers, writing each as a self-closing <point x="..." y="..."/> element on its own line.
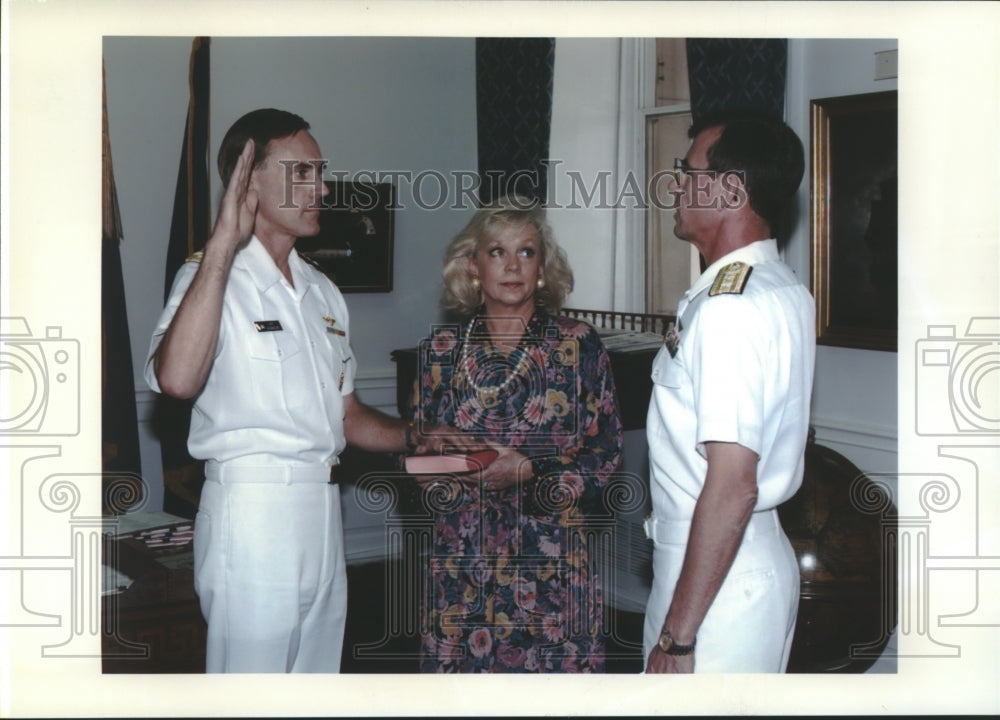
<point x="749" y="626"/>
<point x="269" y="569"/>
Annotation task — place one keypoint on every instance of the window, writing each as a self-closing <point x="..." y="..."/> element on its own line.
<point x="671" y="264"/>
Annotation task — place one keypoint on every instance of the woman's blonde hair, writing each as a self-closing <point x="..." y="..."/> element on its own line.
<point x="459" y="293"/>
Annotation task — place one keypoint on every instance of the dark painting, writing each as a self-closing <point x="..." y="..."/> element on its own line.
<point x="855" y="203"/>
<point x="354" y="244"/>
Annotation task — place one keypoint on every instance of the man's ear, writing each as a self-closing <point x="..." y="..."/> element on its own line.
<point x="732" y="190"/>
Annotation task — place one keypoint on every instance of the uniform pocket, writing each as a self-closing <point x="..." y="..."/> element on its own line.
<point x="203" y="546"/>
<point x="341" y="359"/>
<point x="270" y="548"/>
<point x="756" y="583"/>
<point x="273" y="359"/>
<point x="202" y="532"/>
<point x="667" y="371"/>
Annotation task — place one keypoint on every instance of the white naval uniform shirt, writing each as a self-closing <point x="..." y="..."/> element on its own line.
<point x="282" y="365"/>
<point x="742" y="373"/>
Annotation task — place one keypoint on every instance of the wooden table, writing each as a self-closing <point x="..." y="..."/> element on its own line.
<point x="155" y="624"/>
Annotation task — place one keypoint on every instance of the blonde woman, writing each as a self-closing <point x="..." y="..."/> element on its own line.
<point x="513" y="588"/>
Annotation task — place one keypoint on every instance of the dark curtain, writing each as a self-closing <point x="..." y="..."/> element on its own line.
<point x="514" y="115"/>
<point x="189" y="230"/>
<point x="740" y="74"/>
<point x="119" y="420"/>
<point x="744" y="74"/>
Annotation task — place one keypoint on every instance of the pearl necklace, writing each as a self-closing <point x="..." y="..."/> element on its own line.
<point x="488" y="395"/>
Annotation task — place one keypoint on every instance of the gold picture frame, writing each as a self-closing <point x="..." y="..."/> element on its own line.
<point x="854" y="219"/>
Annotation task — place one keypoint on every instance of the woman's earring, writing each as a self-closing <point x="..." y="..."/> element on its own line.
<point x="475" y="282"/>
<point x="540" y="283"/>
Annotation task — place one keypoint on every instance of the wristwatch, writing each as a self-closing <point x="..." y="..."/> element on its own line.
<point x="411" y="443"/>
<point x="667" y="645"/>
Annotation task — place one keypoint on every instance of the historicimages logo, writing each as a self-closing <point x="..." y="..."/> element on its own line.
<point x="41" y="377"/>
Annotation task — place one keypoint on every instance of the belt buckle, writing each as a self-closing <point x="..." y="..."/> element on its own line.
<point x="647" y="526"/>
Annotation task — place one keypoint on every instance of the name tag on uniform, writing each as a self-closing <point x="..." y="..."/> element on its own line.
<point x="267" y="325"/>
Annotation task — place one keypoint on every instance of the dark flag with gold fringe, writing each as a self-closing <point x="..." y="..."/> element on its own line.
<point x="189" y="230"/>
<point x="119" y="419"/>
<point x="190" y="224"/>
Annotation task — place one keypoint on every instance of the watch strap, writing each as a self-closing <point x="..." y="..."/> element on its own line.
<point x="670" y="647"/>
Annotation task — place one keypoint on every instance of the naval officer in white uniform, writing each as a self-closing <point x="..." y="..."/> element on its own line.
<point x="261" y="340"/>
<point x="729" y="413"/>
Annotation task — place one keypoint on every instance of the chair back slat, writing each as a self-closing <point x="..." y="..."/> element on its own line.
<point x="615" y="320"/>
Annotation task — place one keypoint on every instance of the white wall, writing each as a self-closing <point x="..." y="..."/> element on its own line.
<point x="404" y="104"/>
<point x="854" y="398"/>
<point x="583" y="140"/>
<point x="854" y="408"/>
<point x="147" y="90"/>
<point x="382" y="104"/>
<point x="374" y="104"/>
<point x="409" y="104"/>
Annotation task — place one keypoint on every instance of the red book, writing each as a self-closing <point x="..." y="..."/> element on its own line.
<point x="449" y="464"/>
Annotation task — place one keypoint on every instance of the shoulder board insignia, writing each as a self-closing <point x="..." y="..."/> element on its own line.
<point x="731" y="280"/>
<point x="195" y="257"/>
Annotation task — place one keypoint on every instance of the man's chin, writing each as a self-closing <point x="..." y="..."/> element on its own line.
<point x="309" y="232"/>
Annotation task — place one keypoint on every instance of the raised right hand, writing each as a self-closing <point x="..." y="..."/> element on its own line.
<point x="239" y="203"/>
<point x="186" y="354"/>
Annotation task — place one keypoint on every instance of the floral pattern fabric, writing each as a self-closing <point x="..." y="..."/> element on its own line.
<point x="512" y="585"/>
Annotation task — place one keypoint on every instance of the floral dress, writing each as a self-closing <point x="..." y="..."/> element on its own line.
<point x="512" y="583"/>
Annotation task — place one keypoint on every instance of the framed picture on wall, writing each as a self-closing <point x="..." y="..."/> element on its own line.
<point x="854" y="219"/>
<point x="354" y="244"/>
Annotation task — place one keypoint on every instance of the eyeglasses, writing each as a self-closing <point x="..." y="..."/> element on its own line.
<point x="682" y="169"/>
